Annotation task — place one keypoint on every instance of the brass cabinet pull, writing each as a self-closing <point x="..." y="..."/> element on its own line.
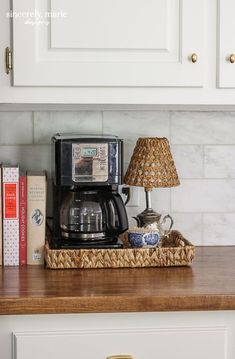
<point x="232" y="58"/>
<point x="194" y="58"/>
<point x="8" y="59"/>
<point x="120" y="357"/>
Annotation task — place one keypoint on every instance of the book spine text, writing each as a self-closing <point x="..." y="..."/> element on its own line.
<point x="36" y="218"/>
<point x="23" y="221"/>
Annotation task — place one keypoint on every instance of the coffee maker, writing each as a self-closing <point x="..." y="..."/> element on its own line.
<point x="88" y="211"/>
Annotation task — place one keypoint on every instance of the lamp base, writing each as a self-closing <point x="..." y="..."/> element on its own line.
<point x="147" y="217"/>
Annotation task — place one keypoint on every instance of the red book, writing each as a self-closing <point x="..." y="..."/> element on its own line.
<point x="23" y="220"/>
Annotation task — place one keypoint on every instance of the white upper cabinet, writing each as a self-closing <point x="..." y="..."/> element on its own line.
<point x="226" y="44"/>
<point x="109" y="43"/>
<point x="123" y="52"/>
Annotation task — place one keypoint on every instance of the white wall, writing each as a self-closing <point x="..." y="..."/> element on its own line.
<point x="203" y="146"/>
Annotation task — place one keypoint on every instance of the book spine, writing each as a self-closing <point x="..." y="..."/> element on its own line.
<point x="36" y="218"/>
<point x="23" y="221"/>
<point x="10" y="179"/>
<point x="1" y="239"/>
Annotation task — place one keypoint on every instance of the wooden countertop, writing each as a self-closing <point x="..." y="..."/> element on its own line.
<point x="208" y="285"/>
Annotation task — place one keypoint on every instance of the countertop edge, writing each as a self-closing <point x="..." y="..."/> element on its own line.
<point x="114" y="304"/>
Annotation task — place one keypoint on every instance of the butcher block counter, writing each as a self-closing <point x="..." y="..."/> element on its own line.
<point x="209" y="284"/>
<point x="176" y="312"/>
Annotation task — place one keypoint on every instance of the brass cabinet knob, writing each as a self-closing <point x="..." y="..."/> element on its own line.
<point x="232" y="58"/>
<point x="194" y="58"/>
<point x="120" y="357"/>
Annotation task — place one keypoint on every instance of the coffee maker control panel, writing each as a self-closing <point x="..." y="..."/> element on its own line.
<point x="90" y="162"/>
<point x="87" y="160"/>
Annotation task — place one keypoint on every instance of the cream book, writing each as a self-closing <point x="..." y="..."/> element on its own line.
<point x="36" y="216"/>
<point x="1" y="220"/>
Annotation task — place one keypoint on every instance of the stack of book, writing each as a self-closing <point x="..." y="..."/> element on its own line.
<point x="23" y="216"/>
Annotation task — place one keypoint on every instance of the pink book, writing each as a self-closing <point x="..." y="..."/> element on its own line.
<point x="23" y="220"/>
<point x="10" y="182"/>
<point x="1" y="244"/>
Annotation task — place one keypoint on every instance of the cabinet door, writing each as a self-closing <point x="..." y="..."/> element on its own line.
<point x="226" y="45"/>
<point x="193" y="343"/>
<point x="108" y="43"/>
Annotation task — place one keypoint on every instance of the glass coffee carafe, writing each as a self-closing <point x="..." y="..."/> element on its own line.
<point x="91" y="215"/>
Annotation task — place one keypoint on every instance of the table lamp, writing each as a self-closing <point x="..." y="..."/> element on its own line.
<point x="151" y="166"/>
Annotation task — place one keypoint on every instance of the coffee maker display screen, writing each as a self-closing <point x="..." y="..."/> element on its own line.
<point x="89" y="152"/>
<point x="90" y="162"/>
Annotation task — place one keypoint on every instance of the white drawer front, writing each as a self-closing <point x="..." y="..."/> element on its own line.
<point x="147" y="343"/>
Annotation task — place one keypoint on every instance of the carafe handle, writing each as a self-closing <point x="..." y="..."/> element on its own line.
<point x="121" y="212"/>
<point x="171" y="223"/>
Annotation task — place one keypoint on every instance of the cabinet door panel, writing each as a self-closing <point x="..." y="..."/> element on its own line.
<point x="105" y="24"/>
<point x="178" y="343"/>
<point x="108" y="43"/>
<point x="226" y="44"/>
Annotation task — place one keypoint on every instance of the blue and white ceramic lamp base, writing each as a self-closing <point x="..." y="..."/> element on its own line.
<point x="143" y="237"/>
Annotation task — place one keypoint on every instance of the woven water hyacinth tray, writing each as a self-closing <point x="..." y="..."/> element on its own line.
<point x="175" y="251"/>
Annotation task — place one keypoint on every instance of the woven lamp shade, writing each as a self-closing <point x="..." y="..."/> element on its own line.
<point x="152" y="164"/>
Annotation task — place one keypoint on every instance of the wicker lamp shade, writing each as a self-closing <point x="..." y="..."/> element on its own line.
<point x="152" y="165"/>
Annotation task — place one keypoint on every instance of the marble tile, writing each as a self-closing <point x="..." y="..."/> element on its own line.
<point x="220" y="161"/>
<point x="190" y="225"/>
<point x="161" y="200"/>
<point x="46" y="124"/>
<point x="134" y="124"/>
<point x="203" y="209"/>
<point x="203" y="128"/>
<point x="29" y="157"/>
<point x="16" y="128"/>
<point x="131" y="125"/>
<point x="188" y="160"/>
<point x="219" y="229"/>
<point x="125" y="166"/>
<point x="206" y="195"/>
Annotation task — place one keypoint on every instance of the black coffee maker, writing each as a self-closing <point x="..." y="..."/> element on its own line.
<point x="88" y="210"/>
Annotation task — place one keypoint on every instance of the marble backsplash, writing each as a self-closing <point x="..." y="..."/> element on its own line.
<point x="203" y="146"/>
